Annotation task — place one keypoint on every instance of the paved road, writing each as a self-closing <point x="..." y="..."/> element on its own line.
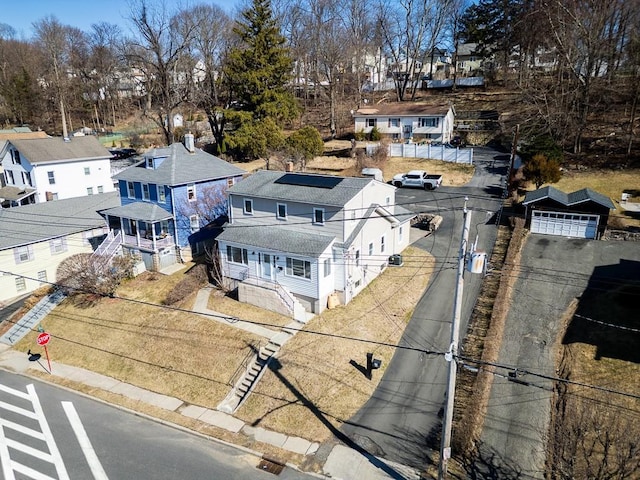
<point x="554" y="271"/>
<point x="39" y="431"/>
<point x="402" y="416"/>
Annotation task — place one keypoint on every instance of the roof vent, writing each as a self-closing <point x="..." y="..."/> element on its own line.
<point x="189" y="142"/>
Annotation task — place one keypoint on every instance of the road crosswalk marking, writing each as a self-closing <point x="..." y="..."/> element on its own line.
<point x="10" y="466"/>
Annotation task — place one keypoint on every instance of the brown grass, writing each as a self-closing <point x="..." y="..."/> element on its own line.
<point x="454" y="174"/>
<point x="233" y="308"/>
<point x="189" y="357"/>
<point x="171" y="352"/>
<point x="316" y="386"/>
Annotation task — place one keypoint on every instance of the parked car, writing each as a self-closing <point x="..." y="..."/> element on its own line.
<point x="417" y="178"/>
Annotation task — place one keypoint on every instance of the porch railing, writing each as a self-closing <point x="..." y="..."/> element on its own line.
<point x="286" y="296"/>
<point x="147" y="243"/>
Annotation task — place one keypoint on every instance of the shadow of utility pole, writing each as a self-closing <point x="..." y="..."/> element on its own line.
<point x="275" y="366"/>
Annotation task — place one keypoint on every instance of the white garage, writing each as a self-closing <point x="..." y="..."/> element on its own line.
<point x="564" y="224"/>
<point x="580" y="214"/>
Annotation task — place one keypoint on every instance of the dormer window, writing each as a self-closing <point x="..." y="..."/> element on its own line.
<point x="150" y="162"/>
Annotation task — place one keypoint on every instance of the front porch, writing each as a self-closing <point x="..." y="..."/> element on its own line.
<point x="148" y="241"/>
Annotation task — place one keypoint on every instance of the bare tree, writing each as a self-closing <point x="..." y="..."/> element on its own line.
<point x="84" y="273"/>
<point x="159" y="50"/>
<point x="209" y="206"/>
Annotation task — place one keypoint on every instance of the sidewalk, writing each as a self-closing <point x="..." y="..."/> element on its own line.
<point x="342" y="462"/>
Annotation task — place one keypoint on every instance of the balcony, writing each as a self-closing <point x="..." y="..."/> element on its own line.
<point x="146" y="242"/>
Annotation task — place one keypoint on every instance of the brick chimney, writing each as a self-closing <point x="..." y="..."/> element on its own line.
<point x="189" y="142"/>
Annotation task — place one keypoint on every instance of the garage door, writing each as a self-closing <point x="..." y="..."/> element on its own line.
<point x="564" y="224"/>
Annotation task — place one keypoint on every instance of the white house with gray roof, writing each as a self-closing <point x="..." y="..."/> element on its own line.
<point x="305" y="237"/>
<point x="54" y="169"/>
<point x="166" y="199"/>
<point x="36" y="238"/>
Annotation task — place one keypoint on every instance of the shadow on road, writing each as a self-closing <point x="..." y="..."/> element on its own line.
<point x="487" y="464"/>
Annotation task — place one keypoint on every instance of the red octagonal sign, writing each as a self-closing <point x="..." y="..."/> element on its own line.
<point x="43" y="338"/>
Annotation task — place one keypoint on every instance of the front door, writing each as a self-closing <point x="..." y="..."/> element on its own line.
<point x="133" y="225"/>
<point x="267" y="267"/>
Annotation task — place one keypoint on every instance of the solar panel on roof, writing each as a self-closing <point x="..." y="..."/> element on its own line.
<point x="302" y="180"/>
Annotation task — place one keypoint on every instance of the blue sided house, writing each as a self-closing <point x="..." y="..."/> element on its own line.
<point x="166" y="199"/>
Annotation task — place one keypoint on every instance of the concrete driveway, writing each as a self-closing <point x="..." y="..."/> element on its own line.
<point x="401" y="418"/>
<point x="554" y="271"/>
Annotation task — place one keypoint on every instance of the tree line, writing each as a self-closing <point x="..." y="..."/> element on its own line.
<point x="252" y="74"/>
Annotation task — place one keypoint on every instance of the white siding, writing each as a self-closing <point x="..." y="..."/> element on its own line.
<point x="71" y="180"/>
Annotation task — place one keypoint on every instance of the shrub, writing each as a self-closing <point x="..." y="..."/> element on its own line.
<point x="374" y="134"/>
<point x="194" y="279"/>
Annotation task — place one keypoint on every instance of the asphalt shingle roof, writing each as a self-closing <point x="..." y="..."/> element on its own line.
<point x="144" y="211"/>
<point x="277" y="239"/>
<point x="405" y="109"/>
<point x="43" y="221"/>
<point x="180" y="167"/>
<point x="42" y="150"/>
<point x="262" y="185"/>
<point x="579" y="196"/>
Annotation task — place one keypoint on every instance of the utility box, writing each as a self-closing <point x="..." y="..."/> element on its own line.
<point x="395" y="260"/>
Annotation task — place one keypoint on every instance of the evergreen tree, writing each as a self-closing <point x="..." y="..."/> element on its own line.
<point x="259" y="69"/>
<point x="540" y="170"/>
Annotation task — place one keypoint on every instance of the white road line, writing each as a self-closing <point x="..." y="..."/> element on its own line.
<point x="14" y="392"/>
<point x="18" y="410"/>
<point x="30" y="472"/>
<point x="51" y="443"/>
<point x="34" y="452"/>
<point x="5" y="459"/>
<point x="22" y="429"/>
<point x="85" y="443"/>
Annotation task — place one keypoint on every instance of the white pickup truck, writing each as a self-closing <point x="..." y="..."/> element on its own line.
<point x="417" y="178"/>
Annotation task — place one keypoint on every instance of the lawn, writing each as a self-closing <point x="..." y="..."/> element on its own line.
<point x="316" y="387"/>
<point x="185" y="355"/>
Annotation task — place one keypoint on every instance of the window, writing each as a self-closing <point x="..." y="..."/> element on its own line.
<point x="58" y="245"/>
<point x="145" y="192"/>
<point x="357" y="258"/>
<point x="23" y="254"/>
<point x="327" y="267"/>
<point x="42" y="276"/>
<point x="52" y="178"/>
<point x="100" y="189"/>
<point x="164" y="227"/>
<point x="87" y="171"/>
<point x="371" y="249"/>
<point x="21" y="285"/>
<point x="237" y="255"/>
<point x="248" y="206"/>
<point x="161" y="194"/>
<point x="191" y="192"/>
<point x="429" y="122"/>
<point x="54" y="196"/>
<point x="16" y="157"/>
<point x="282" y="211"/>
<point x="370" y="122"/>
<point x="131" y="192"/>
<point x="149" y="162"/>
<point x="89" y="190"/>
<point x="382" y="244"/>
<point x="298" y="268"/>
<point x="230" y="182"/>
<point x="10" y="180"/>
<point x="26" y="178"/>
<point x="318" y="216"/>
<point x="394" y="122"/>
<point x="194" y="223"/>
<point x="400" y="235"/>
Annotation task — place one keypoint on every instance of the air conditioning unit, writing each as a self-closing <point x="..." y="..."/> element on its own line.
<point x="395" y="260"/>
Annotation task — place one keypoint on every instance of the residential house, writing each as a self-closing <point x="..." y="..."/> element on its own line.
<point x="56" y="168"/>
<point x="468" y="59"/>
<point x="407" y="121"/>
<point x="306" y="237"/>
<point x="36" y="238"/>
<point x="581" y="214"/>
<point x="13" y="196"/>
<point x="166" y="198"/>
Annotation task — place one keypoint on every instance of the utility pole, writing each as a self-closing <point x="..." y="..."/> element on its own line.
<point x="450" y="356"/>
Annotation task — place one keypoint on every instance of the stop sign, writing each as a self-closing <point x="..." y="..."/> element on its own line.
<point x="43" y="338"/>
